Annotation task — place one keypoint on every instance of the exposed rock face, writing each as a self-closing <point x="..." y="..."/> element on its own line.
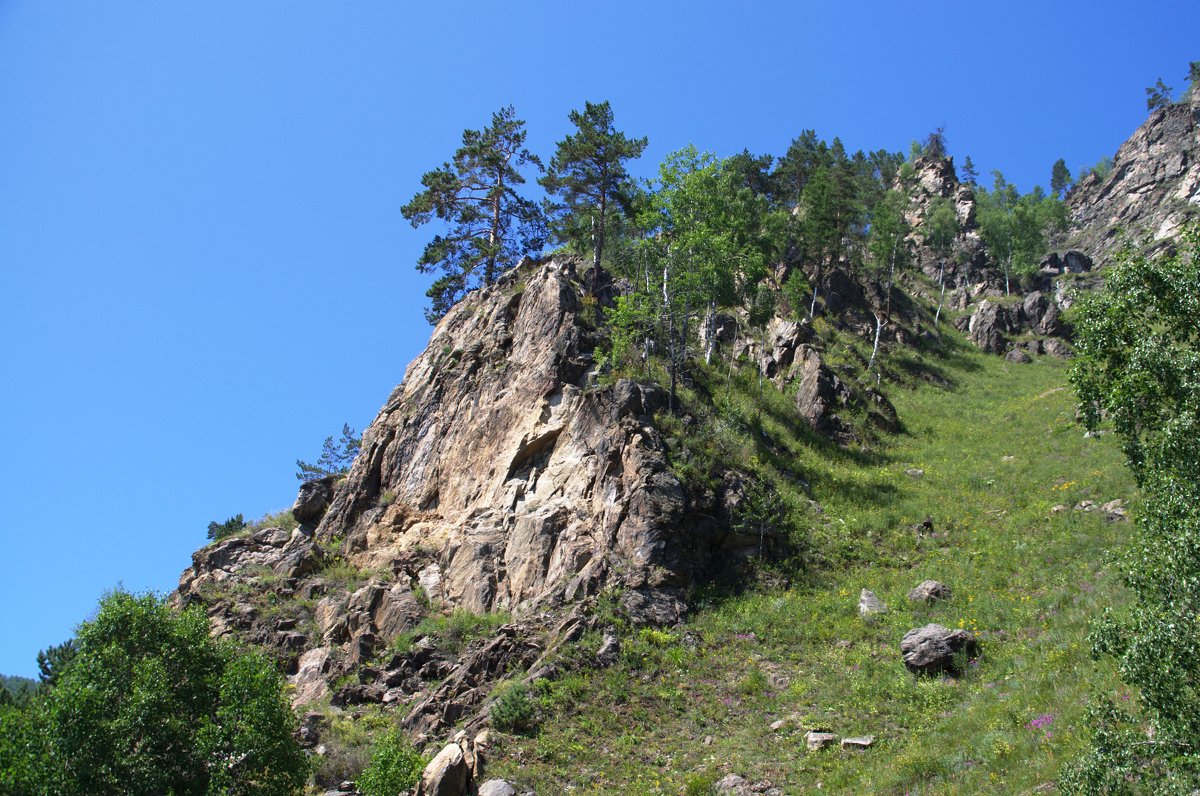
<point x="990" y="326"/>
<point x="936" y="178"/>
<point x="869" y="604"/>
<point x="525" y="489"/>
<point x="313" y="499"/>
<point x="933" y="649"/>
<point x="1153" y="187"/>
<point x="820" y="394"/>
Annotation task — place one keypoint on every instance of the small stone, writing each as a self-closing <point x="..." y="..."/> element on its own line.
<point x="858" y="743"/>
<point x="1059" y="509"/>
<point x="609" y="652"/>
<point x="1085" y="505"/>
<point x="1008" y="458"/>
<point x="708" y="740"/>
<point x="869" y="604"/>
<point x="497" y="787"/>
<point x="914" y="472"/>
<point x="1114" y="511"/>
<point x="1018" y="357"/>
<point x="730" y="783"/>
<point x="929" y="591"/>
<point x="819" y="740"/>
<point x="780" y="724"/>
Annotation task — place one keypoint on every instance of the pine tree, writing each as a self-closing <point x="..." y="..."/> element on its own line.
<point x="970" y="175"/>
<point x="1060" y="177"/>
<point x="336" y="458"/>
<point x="587" y="174"/>
<point x="475" y="196"/>
<point x="1158" y="96"/>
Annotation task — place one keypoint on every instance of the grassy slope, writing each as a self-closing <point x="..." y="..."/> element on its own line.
<point x="1027" y="581"/>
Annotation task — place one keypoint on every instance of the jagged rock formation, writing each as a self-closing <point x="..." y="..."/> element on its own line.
<point x="1152" y="189"/>
<point x="497" y="477"/>
<point x="526" y="488"/>
<point x="936" y="178"/>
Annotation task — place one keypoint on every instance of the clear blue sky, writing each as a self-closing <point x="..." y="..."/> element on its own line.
<point x="204" y="270"/>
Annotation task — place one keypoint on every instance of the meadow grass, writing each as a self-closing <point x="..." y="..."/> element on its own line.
<point x="999" y="448"/>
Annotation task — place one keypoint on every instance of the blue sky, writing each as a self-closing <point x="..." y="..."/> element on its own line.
<point x="203" y="267"/>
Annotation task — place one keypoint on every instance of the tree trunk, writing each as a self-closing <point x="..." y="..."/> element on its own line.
<point x="812" y="307"/>
<point x="598" y="243"/>
<point x="891" y="279"/>
<point x="489" y="270"/>
<point x="666" y="293"/>
<point x="875" y="348"/>
<point x="710" y="331"/>
<point x="942" y="296"/>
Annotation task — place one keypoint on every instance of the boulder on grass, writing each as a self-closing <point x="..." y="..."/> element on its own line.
<point x="934" y="649"/>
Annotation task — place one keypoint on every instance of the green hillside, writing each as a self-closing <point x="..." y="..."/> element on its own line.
<point x="998" y="450"/>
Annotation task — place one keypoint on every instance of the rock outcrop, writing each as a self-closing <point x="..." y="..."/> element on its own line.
<point x="525" y="487"/>
<point x="497" y="477"/>
<point x="1152" y="188"/>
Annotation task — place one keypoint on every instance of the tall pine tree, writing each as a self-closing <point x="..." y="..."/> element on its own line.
<point x="475" y="196"/>
<point x="587" y="176"/>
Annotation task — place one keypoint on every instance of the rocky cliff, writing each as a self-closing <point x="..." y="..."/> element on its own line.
<point x="499" y="478"/>
<point x="1151" y="190"/>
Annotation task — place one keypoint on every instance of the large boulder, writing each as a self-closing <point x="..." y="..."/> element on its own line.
<point x="989" y="326"/>
<point x="313" y="499"/>
<point x="820" y="394"/>
<point x="933" y="649"/>
<point x="447" y="774"/>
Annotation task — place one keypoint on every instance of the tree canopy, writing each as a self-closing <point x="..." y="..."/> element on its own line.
<point x="588" y="180"/>
<point x="1138" y="367"/>
<point x="151" y="704"/>
<point x="488" y="223"/>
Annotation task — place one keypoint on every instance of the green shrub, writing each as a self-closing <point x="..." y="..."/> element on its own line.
<point x="395" y="767"/>
<point x="514" y="711"/>
<point x="219" y="530"/>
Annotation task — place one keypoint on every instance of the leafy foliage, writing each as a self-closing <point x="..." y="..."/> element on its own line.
<point x="53" y="660"/>
<point x="336" y="457"/>
<point x="1158" y="95"/>
<point x="1060" y="178"/>
<point x="152" y="704"/>
<point x="475" y="196"/>
<point x="1139" y="367"/>
<point x="1015" y="228"/>
<point x="395" y="767"/>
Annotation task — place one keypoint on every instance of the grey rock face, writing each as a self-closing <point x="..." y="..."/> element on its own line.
<point x="989" y="326"/>
<point x="815" y="740"/>
<point x="821" y="394"/>
<point x="313" y="499"/>
<point x="529" y="487"/>
<point x="609" y="652"/>
<point x="447" y="774"/>
<point x="1153" y="186"/>
<point x="933" y="649"/>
